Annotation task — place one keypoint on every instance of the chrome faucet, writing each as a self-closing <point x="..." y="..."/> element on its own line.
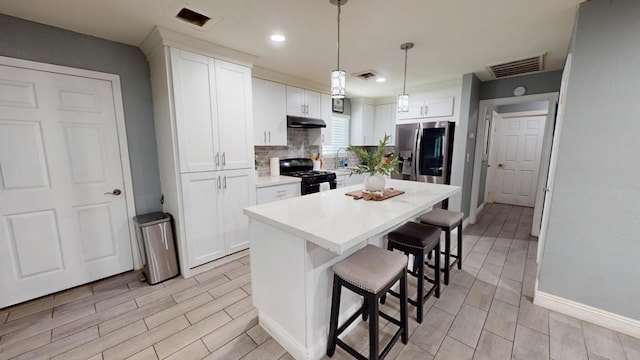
<point x="340" y="161"/>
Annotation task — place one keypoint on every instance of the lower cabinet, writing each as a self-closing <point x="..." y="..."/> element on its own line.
<point x="213" y="220"/>
<point x="277" y="192"/>
<point x="344" y="179"/>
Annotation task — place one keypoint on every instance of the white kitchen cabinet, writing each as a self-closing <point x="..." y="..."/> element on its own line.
<point x="269" y="113"/>
<point x="362" y="123"/>
<point x="213" y="112"/>
<point x="301" y="102"/>
<point x="385" y="122"/>
<point x="354" y="180"/>
<point x="204" y="129"/>
<point x="421" y="107"/>
<point x="214" y="223"/>
<point x="277" y="192"/>
<point x="326" y="111"/>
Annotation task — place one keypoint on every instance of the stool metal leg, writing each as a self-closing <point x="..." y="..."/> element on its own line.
<point x="335" y="309"/>
<point x="373" y="327"/>
<point x="420" y="299"/>
<point x="460" y="246"/>
<point x="436" y="270"/>
<point x="404" y="314"/>
<point x="447" y="254"/>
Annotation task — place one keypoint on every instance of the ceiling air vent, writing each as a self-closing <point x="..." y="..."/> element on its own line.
<point x="365" y="75"/>
<point x="192" y="17"/>
<point x="517" y="67"/>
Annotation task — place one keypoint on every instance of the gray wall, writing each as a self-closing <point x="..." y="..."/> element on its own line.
<point x="540" y="83"/>
<point x="32" y="41"/>
<point x="469" y="107"/>
<point x="592" y="243"/>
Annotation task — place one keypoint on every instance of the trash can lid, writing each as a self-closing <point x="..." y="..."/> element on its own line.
<point x="150" y="217"/>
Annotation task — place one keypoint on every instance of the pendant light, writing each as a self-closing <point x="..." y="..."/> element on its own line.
<point x="403" y="100"/>
<point x="338" y="77"/>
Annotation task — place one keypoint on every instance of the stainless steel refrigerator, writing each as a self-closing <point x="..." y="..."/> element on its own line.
<point x="425" y="151"/>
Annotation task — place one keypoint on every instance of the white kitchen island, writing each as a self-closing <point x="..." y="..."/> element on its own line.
<point x="295" y="242"/>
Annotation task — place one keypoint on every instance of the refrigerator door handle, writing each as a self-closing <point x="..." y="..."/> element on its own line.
<point x="416" y="156"/>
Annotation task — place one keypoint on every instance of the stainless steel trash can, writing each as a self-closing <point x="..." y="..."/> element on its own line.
<point x="155" y="238"/>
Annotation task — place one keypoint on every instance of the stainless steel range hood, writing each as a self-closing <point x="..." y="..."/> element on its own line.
<point x="304" y="122"/>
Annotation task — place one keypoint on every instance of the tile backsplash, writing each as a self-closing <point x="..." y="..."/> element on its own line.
<point x="298" y="145"/>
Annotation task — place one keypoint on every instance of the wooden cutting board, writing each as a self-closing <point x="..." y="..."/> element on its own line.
<point x="386" y="194"/>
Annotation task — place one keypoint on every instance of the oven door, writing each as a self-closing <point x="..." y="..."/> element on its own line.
<point x="314" y="188"/>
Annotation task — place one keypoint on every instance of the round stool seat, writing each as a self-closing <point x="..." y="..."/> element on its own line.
<point x="371" y="268"/>
<point x="440" y="217"/>
<point x="416" y="235"/>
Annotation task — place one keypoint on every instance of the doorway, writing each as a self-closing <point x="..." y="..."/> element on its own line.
<point x="529" y="105"/>
<point x="66" y="199"/>
<point x="514" y="156"/>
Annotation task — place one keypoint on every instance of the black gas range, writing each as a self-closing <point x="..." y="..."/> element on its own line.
<point x="311" y="179"/>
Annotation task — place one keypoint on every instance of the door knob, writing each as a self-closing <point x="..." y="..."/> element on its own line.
<point x="500" y="165"/>
<point x="115" y="192"/>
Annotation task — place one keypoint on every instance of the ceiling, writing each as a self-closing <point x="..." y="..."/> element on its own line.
<point x="452" y="37"/>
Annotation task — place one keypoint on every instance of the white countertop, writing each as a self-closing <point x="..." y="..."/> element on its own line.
<point x="264" y="181"/>
<point x="337" y="222"/>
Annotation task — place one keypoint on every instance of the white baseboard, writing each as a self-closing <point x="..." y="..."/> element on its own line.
<point x="317" y="350"/>
<point x="288" y="343"/>
<point x="588" y="313"/>
<point x="480" y="208"/>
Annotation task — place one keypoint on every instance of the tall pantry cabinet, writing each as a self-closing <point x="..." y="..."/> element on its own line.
<point x="204" y="130"/>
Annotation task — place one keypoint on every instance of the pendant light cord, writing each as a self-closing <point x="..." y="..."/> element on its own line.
<point x="338" y="35"/>
<point x="404" y="84"/>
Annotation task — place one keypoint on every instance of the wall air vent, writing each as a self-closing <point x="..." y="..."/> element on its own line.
<point x="192" y="17"/>
<point x="517" y="67"/>
<point x="365" y="75"/>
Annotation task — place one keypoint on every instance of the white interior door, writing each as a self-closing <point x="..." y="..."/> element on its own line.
<point x="518" y="160"/>
<point x="63" y="210"/>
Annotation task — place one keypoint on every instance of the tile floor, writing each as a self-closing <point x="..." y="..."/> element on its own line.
<point x="485" y="313"/>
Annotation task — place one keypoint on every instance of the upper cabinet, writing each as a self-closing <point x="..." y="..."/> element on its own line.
<point x="362" y="123"/>
<point x="301" y="102"/>
<point x="421" y="107"/>
<point x="326" y="112"/>
<point x="213" y="112"/>
<point x="269" y="113"/>
<point x="385" y="122"/>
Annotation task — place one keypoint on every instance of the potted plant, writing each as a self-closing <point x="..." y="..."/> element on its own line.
<point x="375" y="164"/>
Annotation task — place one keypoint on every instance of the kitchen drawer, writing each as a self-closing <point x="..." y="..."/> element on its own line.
<point x="277" y="192"/>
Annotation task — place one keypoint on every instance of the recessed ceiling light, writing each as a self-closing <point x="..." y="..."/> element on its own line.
<point x="381" y="79"/>
<point x="278" y="38"/>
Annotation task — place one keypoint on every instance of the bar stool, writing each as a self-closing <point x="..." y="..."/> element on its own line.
<point x="418" y="240"/>
<point x="369" y="272"/>
<point x="447" y="220"/>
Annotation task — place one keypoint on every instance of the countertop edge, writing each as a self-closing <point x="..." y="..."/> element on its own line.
<point x="340" y="249"/>
<point x="266" y="181"/>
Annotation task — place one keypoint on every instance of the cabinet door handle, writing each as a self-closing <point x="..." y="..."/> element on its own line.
<point x="269" y="137"/>
<point x="219" y="187"/>
<point x="265" y="137"/>
<point x="421" y="113"/>
<point x="302" y="106"/>
<point x="217" y="159"/>
<point x="426" y="110"/>
<point x="224" y="182"/>
<point x="224" y="161"/>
